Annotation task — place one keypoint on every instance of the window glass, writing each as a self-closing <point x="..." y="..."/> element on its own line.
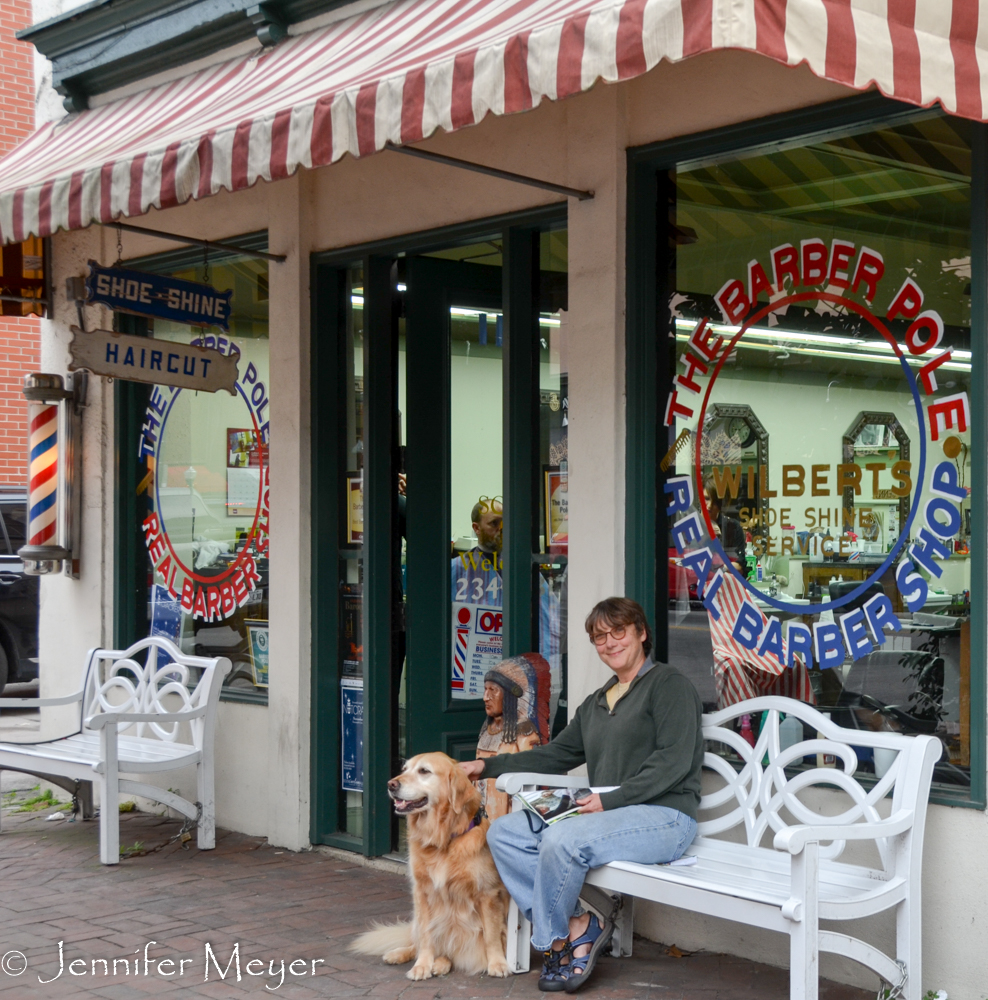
<point x="476" y="495"/>
<point x="819" y="298"/>
<point x="554" y="462"/>
<point x="204" y="459"/>
<point x="351" y="548"/>
<point x="15" y="521"/>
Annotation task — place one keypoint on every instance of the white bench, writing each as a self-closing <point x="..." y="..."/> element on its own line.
<point x="134" y="719"/>
<point x="797" y="880"/>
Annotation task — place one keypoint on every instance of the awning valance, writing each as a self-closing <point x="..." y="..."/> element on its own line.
<point x="399" y="72"/>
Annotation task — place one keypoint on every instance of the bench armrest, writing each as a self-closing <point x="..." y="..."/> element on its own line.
<point x="514" y="782"/>
<point x="65" y="699"/>
<point x="795" y="838"/>
<point x="127" y="719"/>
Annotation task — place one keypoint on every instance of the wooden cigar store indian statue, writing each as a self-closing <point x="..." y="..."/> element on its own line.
<point x="516" y="699"/>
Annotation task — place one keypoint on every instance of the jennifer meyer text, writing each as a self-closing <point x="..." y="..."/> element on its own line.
<point x="212" y="965"/>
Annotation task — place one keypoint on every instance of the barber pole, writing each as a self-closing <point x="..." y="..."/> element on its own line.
<point x="43" y="473"/>
<point x="54" y="470"/>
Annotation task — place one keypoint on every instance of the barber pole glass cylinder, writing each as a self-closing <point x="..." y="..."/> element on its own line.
<point x="42" y="474"/>
<point x="46" y="534"/>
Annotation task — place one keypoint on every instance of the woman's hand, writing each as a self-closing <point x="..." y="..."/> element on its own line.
<point x="591" y="804"/>
<point x="474" y="768"/>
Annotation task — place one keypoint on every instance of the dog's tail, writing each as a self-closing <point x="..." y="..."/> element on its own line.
<point x="382" y="938"/>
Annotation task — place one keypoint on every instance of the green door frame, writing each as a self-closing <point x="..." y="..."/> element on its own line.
<point x="520" y="382"/>
<point x="648" y="367"/>
<point x="435" y="721"/>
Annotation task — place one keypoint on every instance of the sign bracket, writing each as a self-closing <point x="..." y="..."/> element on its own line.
<point x="278" y="258"/>
<point x="480" y="168"/>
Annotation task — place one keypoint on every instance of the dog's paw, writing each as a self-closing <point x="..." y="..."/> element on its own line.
<point x="441" y="966"/>
<point x="399" y="956"/>
<point x="419" y="972"/>
<point x="499" y="967"/>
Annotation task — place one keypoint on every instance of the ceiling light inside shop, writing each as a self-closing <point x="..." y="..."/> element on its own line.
<point x="794" y="342"/>
<point x="545" y="319"/>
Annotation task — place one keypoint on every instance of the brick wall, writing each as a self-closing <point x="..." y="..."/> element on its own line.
<point x="19" y="338"/>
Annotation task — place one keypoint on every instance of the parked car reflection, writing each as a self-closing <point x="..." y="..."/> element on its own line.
<point x="18" y="595"/>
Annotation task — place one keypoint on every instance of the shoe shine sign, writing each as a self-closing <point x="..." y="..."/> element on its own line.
<point x="144" y="359"/>
<point x="844" y="280"/>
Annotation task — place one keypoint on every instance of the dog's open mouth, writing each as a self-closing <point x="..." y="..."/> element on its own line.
<point x="404" y="806"/>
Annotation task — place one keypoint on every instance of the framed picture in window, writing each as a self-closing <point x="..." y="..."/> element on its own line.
<point x="556" y="506"/>
<point x="355" y="508"/>
<point x="243" y="450"/>
<point x="258" y="645"/>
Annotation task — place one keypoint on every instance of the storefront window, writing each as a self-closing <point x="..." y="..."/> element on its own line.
<point x="819" y="429"/>
<point x="203" y="473"/>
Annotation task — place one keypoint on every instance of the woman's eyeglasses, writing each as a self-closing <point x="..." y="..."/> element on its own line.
<point x="599" y="638"/>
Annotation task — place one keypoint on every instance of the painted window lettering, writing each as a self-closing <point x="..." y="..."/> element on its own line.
<point x="846" y="498"/>
<point x="206" y="587"/>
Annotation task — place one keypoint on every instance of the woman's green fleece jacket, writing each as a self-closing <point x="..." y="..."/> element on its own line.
<point x="650" y="745"/>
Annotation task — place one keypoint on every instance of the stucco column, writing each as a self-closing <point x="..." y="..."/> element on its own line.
<point x="76" y="615"/>
<point x="289" y="571"/>
<point x="596" y="138"/>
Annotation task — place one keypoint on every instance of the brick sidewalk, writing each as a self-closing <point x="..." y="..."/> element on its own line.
<point x="278" y="906"/>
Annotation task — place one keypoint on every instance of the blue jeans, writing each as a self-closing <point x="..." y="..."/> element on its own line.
<point x="543" y="865"/>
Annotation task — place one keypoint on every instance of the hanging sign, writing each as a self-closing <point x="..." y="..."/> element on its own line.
<point x="161" y="362"/>
<point x="158" y="295"/>
<point x="846" y="280"/>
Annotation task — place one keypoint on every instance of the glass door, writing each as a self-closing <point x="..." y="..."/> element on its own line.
<point x="439" y="522"/>
<point x="453" y="352"/>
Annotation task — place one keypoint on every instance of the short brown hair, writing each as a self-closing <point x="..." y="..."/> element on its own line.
<point x="618" y="611"/>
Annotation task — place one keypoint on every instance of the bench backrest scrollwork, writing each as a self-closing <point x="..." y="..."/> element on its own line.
<point x="168" y="681"/>
<point x="757" y="793"/>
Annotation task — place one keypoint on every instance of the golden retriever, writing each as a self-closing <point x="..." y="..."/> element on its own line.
<point x="460" y="903"/>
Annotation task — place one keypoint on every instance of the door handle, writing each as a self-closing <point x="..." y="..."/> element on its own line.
<point x="9" y="579"/>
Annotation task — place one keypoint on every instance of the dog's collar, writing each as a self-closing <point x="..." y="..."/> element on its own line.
<point x="475" y="822"/>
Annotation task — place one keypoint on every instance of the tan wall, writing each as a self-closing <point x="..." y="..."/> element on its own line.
<point x="263" y="765"/>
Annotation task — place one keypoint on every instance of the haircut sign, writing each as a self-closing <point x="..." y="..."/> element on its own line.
<point x="210" y="586"/>
<point x="844" y="281"/>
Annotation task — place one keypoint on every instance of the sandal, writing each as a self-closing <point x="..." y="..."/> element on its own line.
<point x="553" y="978"/>
<point x="598" y="936"/>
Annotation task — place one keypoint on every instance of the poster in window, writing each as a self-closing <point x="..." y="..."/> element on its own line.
<point x="351" y="629"/>
<point x="242" y="487"/>
<point x="258" y="644"/>
<point x="166" y="613"/>
<point x="355" y="508"/>
<point x="478" y="640"/>
<point x="556" y="506"/>
<point x="352" y="734"/>
<point x="243" y="451"/>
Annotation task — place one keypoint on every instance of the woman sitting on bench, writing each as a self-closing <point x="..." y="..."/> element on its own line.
<point x="641" y="739"/>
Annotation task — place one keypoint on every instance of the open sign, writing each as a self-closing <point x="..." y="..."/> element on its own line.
<point x="490" y="622"/>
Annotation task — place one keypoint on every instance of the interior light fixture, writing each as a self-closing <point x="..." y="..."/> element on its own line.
<point x="791" y="339"/>
<point x="545" y="319"/>
<point x="820" y="352"/>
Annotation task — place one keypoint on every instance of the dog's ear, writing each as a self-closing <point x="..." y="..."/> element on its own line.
<point x="461" y="789"/>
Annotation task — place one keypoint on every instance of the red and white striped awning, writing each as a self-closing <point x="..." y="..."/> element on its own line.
<point x="400" y="71"/>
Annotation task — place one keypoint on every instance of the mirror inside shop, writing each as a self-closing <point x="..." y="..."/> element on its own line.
<point x="203" y="486"/>
<point x="820" y="308"/>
